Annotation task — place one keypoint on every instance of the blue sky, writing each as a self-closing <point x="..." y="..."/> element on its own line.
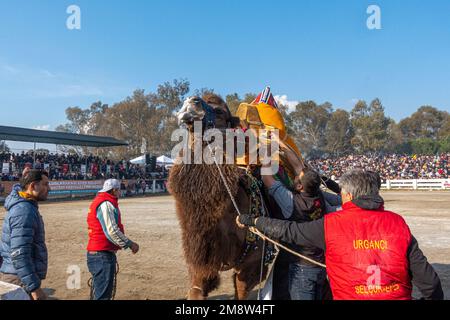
<point x="319" y="50"/>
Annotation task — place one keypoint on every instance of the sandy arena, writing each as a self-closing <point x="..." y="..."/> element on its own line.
<point x="159" y="272"/>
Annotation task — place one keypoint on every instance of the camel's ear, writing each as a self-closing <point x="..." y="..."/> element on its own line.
<point x="235" y="122"/>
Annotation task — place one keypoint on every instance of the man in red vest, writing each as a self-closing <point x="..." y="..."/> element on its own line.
<point x="370" y="252"/>
<point x="106" y="237"/>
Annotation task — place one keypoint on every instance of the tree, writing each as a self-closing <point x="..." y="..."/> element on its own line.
<point x="339" y="133"/>
<point x="308" y="124"/>
<point x="203" y="91"/>
<point x="233" y="101"/>
<point x="145" y="121"/>
<point x="426" y="122"/>
<point x="396" y="142"/>
<point x="84" y="121"/>
<point x="132" y="120"/>
<point x="424" y="146"/>
<point x="444" y="145"/>
<point x="249" y="97"/>
<point x="370" y="126"/>
<point x="166" y="102"/>
<point x="444" y="131"/>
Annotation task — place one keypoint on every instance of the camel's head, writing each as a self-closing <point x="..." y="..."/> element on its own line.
<point x="211" y="110"/>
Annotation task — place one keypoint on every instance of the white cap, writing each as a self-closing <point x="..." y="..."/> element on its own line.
<point x="110" y="184"/>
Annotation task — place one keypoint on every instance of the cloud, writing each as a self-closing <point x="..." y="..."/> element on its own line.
<point x="283" y="100"/>
<point x="44" y="127"/>
<point x="10" y="69"/>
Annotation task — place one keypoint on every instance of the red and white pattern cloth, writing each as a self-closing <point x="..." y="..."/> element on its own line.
<point x="266" y="97"/>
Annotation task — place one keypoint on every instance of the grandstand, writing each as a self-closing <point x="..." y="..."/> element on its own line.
<point x="11" y="170"/>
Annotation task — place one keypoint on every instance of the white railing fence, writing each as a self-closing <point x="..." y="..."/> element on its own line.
<point x="417" y="184"/>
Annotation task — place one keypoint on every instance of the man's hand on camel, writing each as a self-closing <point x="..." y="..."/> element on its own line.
<point x="245" y="220"/>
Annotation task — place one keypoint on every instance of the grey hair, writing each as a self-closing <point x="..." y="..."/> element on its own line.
<point x="360" y="183"/>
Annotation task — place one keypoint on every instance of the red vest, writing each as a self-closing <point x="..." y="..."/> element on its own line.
<point x="97" y="238"/>
<point x="366" y="254"/>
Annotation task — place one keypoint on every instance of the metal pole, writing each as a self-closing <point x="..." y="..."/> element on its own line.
<point x="34" y="156"/>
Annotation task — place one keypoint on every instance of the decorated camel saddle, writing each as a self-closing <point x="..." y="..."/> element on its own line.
<point x="264" y="114"/>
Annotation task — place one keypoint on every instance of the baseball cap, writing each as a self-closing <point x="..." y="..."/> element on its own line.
<point x="110" y="184"/>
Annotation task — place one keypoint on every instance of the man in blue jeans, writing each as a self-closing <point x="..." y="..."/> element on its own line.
<point x="306" y="203"/>
<point x="106" y="237"/>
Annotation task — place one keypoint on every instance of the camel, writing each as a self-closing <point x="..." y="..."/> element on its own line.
<point x="212" y="242"/>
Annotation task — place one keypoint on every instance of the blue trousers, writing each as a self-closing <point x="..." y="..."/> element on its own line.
<point x="306" y="282"/>
<point x="102" y="266"/>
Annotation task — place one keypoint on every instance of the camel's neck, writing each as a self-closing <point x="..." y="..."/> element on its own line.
<point x="201" y="186"/>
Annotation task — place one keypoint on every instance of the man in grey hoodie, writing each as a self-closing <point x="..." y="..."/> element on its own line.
<point x="23" y="249"/>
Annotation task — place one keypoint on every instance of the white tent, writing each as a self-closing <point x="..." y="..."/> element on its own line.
<point x="138" y="160"/>
<point x="163" y="160"/>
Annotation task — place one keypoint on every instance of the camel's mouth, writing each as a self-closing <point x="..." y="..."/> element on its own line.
<point x="191" y="111"/>
<point x="212" y="115"/>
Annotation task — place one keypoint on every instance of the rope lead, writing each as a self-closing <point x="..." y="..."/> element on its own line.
<point x="254" y="230"/>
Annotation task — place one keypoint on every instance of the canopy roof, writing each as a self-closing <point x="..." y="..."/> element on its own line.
<point x="138" y="160"/>
<point x="53" y="137"/>
<point x="164" y="160"/>
<point x="160" y="160"/>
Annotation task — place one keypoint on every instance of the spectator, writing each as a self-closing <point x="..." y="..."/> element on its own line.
<point x="23" y="246"/>
<point x="389" y="166"/>
<point x="69" y="167"/>
<point x="106" y="237"/>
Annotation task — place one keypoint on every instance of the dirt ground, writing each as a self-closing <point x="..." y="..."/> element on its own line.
<point x="159" y="271"/>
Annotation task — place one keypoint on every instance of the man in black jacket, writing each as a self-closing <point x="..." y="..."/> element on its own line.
<point x="295" y="278"/>
<point x="306" y="203"/>
<point x="397" y="262"/>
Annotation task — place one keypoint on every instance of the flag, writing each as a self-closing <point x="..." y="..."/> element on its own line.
<point x="266" y="97"/>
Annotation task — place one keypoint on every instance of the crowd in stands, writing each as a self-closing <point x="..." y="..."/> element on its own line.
<point x="76" y="167"/>
<point x="389" y="166"/>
